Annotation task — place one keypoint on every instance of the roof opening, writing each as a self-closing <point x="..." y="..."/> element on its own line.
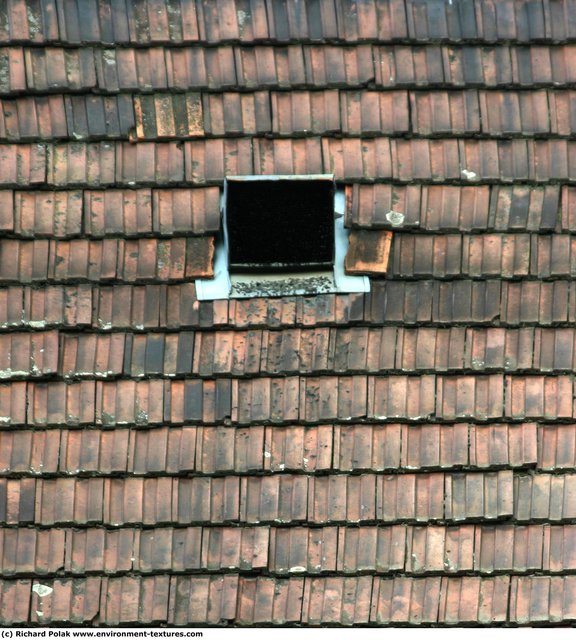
<point x="283" y="236"/>
<point x="281" y="224"/>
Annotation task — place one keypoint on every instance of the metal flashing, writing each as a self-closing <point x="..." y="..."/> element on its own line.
<point x="226" y="285"/>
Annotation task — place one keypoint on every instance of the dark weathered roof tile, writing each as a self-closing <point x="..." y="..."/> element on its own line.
<point x="149" y="163"/>
<point x="234" y="548"/>
<point x="127" y="69"/>
<point x="479" y="66"/>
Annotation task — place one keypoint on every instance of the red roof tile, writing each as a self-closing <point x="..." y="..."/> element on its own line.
<point x="237" y="113"/>
<point x="277" y="156"/>
<point x="47" y="213"/>
<point x="94" y="260"/>
<point x="211" y="160"/>
<point x="190" y="597"/>
<point x="13" y="70"/>
<point x="542" y="497"/>
<point x="402" y="65"/>
<point x="392" y="397"/>
<point x="368" y="252"/>
<point x="222" y="22"/>
<point x="428" y="207"/>
<point x="454" y="112"/>
<point x="476" y="600"/>
<point x="22" y="165"/>
<point x="193" y="68"/>
<point x="300" y="549"/>
<point x="14" y="601"/>
<point x="358" y="159"/>
<point x="343" y="601"/>
<point x="165" y="115"/>
<point x="143" y="600"/>
<point x="28" y="354"/>
<point x="287" y="22"/>
<point x="541" y="598"/>
<point x="53" y="68"/>
<point x="405" y="600"/>
<point x="421" y="159"/>
<point x="556" y="446"/>
<point x="263" y="600"/>
<point x="333" y="66"/>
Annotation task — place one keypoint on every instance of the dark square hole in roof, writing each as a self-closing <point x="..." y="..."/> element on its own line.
<point x="280" y="224"/>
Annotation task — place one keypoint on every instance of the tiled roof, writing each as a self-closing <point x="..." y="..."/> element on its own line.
<point x="401" y="457"/>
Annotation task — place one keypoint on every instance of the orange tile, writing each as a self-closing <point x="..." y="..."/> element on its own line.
<point x="368" y="252"/>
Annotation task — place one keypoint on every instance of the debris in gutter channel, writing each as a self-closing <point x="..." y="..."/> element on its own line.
<point x="284" y="287"/>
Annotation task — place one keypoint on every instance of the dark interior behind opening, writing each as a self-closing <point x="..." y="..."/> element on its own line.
<point x="280" y="225"/>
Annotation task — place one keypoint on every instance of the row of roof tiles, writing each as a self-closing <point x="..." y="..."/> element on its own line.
<point x="294" y="66"/>
<point x="288" y="498"/>
<point x="231" y="599"/>
<point x="149" y="259"/>
<point x="164" y="212"/>
<point x="350" y="159"/>
<point x="342" y="448"/>
<point x="307" y="351"/>
<point x="482" y="255"/>
<point x="290" y="399"/>
<point x="174" y="306"/>
<point x="318" y="448"/>
<point x="168" y="260"/>
<point x="350" y="113"/>
<point x="125" y="212"/>
<point x="450" y="208"/>
<point x="254" y="20"/>
<point x="415" y="550"/>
